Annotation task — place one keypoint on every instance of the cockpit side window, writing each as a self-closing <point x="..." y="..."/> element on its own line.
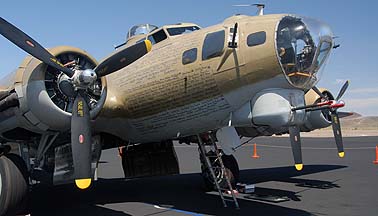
<point x="213" y="45"/>
<point x="182" y="30"/>
<point x="256" y="38"/>
<point x="157" y="37"/>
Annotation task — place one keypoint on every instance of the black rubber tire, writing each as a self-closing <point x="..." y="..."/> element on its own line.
<point x="232" y="171"/>
<point x="14" y="184"/>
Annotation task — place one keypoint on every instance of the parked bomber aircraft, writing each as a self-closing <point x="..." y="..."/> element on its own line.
<point x="248" y="76"/>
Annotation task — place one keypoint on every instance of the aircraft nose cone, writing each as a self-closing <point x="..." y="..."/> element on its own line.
<point x="303" y="45"/>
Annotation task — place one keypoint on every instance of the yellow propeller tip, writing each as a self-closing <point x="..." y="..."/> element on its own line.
<point x="341" y="154"/>
<point x="299" y="167"/>
<point x="148" y="45"/>
<point x="83" y="183"/>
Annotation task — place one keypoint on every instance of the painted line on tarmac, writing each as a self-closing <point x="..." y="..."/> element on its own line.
<point x="289" y="147"/>
<point x="179" y="211"/>
<point x="313" y="148"/>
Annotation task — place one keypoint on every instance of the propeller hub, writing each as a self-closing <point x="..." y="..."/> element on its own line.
<point x="83" y="78"/>
<point x="337" y="104"/>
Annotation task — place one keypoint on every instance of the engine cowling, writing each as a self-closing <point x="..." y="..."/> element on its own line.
<point x="42" y="104"/>
<point x="320" y="118"/>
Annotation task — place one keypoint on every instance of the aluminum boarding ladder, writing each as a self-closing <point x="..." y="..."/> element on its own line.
<point x="209" y="166"/>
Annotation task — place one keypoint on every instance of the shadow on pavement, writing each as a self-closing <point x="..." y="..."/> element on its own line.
<point x="180" y="192"/>
<point x="283" y="174"/>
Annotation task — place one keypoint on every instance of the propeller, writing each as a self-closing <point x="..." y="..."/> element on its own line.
<point x="295" y="140"/>
<point x="336" y="127"/>
<point x="81" y="141"/>
<point x="317" y="91"/>
<point x="332" y="106"/>
<point x="342" y="90"/>
<point x="80" y="80"/>
<point x="31" y="46"/>
<point x="325" y="104"/>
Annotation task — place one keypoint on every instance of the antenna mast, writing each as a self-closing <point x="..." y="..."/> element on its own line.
<point x="260" y="7"/>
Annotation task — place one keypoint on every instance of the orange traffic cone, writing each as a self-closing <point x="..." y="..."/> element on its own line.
<point x="376" y="155"/>
<point x="255" y="152"/>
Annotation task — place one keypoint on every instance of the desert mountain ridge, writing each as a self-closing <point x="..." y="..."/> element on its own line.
<point x="357" y="121"/>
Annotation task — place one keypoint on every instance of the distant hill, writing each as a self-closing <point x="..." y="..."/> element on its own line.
<point x="359" y="122"/>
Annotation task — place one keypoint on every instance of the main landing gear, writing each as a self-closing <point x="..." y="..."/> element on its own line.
<point x="13" y="184"/>
<point x="231" y="171"/>
<point x="220" y="171"/>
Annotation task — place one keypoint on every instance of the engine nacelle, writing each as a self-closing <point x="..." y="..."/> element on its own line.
<point x="312" y="120"/>
<point x="42" y="106"/>
<point x="320" y="118"/>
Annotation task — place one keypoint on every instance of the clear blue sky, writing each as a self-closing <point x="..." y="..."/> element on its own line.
<point x="96" y="27"/>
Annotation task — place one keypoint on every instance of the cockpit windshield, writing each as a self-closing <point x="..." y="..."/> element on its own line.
<point x="182" y="30"/>
<point x="140" y="29"/>
<point x="303" y="44"/>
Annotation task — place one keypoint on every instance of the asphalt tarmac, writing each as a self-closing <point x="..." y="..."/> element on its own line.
<point x="327" y="185"/>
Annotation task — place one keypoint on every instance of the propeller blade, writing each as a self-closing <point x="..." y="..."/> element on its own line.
<point x="342" y="90"/>
<point x="123" y="58"/>
<point x="337" y="133"/>
<point x="344" y="114"/>
<point x="81" y="142"/>
<point x="26" y="43"/>
<point x="295" y="140"/>
<point x="319" y="92"/>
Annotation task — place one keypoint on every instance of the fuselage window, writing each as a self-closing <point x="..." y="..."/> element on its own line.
<point x="256" y="38"/>
<point x="189" y="56"/>
<point x="157" y="37"/>
<point x="182" y="30"/>
<point x="213" y="45"/>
